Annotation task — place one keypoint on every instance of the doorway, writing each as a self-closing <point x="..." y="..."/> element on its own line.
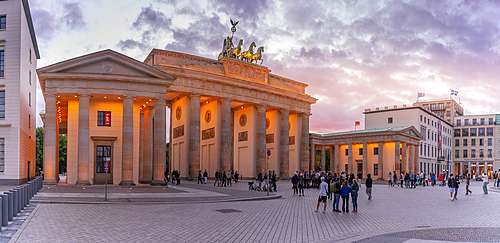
<point x="103" y="164"/>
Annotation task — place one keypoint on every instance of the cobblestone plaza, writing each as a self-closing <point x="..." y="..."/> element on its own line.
<point x="393" y="215"/>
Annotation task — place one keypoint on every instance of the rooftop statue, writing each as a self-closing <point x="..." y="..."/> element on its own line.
<point x="228" y="49"/>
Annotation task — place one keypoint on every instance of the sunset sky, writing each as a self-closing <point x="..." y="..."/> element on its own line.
<point x="353" y="54"/>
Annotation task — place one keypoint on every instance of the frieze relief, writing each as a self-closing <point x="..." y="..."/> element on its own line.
<point x="179" y="131"/>
<point x="270" y="138"/>
<point x="208" y="133"/>
<point x="243" y="136"/>
<point x="246" y="73"/>
<point x="291" y="140"/>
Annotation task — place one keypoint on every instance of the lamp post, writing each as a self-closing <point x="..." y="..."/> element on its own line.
<point x="268" y="174"/>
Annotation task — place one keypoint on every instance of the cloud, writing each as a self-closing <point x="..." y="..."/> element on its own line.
<point x="73" y="16"/>
<point x="45" y="24"/>
<point x="151" y="19"/>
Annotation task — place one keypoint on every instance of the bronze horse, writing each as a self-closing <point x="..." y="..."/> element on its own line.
<point x="247" y="55"/>
<point x="257" y="56"/>
<point x="235" y="52"/>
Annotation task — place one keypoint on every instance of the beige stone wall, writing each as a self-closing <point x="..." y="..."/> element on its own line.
<point x="72" y="142"/>
<point x="180" y="144"/>
<point x="210" y="156"/>
<point x="389" y="158"/>
<point x="244" y="151"/>
<point x="294" y="149"/>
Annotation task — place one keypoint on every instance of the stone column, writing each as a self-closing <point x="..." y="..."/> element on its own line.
<point x="141" y="146"/>
<point x="469" y="167"/>
<point x="477" y="169"/>
<point x="332" y="166"/>
<point x="323" y="155"/>
<point x="397" y="158"/>
<point x="336" y="154"/>
<point x="159" y="137"/>
<point x="225" y="147"/>
<point x="486" y="168"/>
<point x="304" y="143"/>
<point x="147" y="154"/>
<point x="261" y="139"/>
<point x="49" y="141"/>
<point x="312" y="165"/>
<point x="417" y="157"/>
<point x="381" y="161"/>
<point x="404" y="157"/>
<point x="365" y="159"/>
<point x="411" y="159"/>
<point x="350" y="166"/>
<point x="128" y="141"/>
<point x="83" y="139"/>
<point x="285" y="145"/>
<point x="194" y="135"/>
<point x="461" y="172"/>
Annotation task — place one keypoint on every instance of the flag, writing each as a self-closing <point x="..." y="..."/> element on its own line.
<point x="357" y="123"/>
<point x="454" y="92"/>
<point x="421" y="94"/>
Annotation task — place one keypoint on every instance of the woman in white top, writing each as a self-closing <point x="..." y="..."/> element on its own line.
<point x="485" y="183"/>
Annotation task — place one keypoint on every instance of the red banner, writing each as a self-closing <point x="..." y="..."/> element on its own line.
<point x="107" y="118"/>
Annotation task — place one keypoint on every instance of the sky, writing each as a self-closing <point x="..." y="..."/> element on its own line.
<point x="353" y="54"/>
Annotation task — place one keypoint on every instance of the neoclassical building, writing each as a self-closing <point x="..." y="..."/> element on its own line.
<point x="223" y="115"/>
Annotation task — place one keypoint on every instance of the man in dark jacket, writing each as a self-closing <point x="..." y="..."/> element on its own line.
<point x="457" y="181"/>
<point x="295" y="182"/>
<point x="368" y="184"/>
<point x="452" y="184"/>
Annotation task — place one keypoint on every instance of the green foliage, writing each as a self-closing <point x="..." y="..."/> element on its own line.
<point x="39" y="147"/>
<point x="63" y="141"/>
<point x="168" y="158"/>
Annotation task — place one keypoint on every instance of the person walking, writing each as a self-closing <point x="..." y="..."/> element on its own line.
<point x="390" y="178"/>
<point x="467" y="184"/>
<point x="354" y="195"/>
<point x="323" y="193"/>
<point x="451" y="185"/>
<point x="228" y="175"/>
<point x="295" y="182"/>
<point x="457" y="182"/>
<point x="346" y="190"/>
<point x="236" y="177"/>
<point x="216" y="177"/>
<point x="433" y="179"/>
<point x="205" y="176"/>
<point x="394" y="178"/>
<point x="441" y="179"/>
<point x="401" y="179"/>
<point x="301" y="184"/>
<point x="485" y="183"/>
<point x="368" y="184"/>
<point x="337" y="192"/>
<point x="199" y="178"/>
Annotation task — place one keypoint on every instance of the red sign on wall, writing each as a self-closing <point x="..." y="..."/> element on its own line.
<point x="107" y="118"/>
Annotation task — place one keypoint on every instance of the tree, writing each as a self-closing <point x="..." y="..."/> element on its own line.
<point x="168" y="159"/>
<point x="39" y="147"/>
<point x="63" y="141"/>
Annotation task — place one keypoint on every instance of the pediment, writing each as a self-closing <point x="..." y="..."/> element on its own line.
<point x="412" y="132"/>
<point x="109" y="63"/>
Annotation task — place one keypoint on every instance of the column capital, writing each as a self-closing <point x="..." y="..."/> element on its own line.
<point x="160" y="96"/>
<point x="194" y="95"/>
<point x="283" y="111"/>
<point x="83" y="94"/>
<point x="126" y="96"/>
<point x="50" y="94"/>
<point x="223" y="99"/>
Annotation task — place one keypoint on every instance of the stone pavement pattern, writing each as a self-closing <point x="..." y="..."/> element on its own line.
<point x="290" y="219"/>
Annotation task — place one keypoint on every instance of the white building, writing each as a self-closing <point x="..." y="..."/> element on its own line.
<point x="435" y="147"/>
<point x="474" y="144"/>
<point x="18" y="57"/>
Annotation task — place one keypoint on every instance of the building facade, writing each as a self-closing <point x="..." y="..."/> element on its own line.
<point x="436" y="144"/>
<point x="18" y="58"/>
<point x="375" y="151"/>
<point x="223" y="115"/>
<point x="446" y="109"/>
<point x="474" y="144"/>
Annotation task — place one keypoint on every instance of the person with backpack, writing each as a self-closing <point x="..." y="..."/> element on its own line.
<point x="337" y="192"/>
<point x="368" y="184"/>
<point x="401" y="179"/>
<point x="394" y="178"/>
<point x="295" y="182"/>
<point x="346" y="190"/>
<point x="354" y="195"/>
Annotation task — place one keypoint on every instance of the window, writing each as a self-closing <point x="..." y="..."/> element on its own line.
<point x="490" y="121"/>
<point x="30" y="99"/>
<point x="490" y="141"/>
<point x="400" y="150"/>
<point x="425" y="119"/>
<point x="456" y="132"/>
<point x="360" y="151"/>
<point x="3" y="24"/>
<point x="375" y="151"/>
<point x="473" y="142"/>
<point x="473" y="153"/>
<point x="448" y="104"/>
<point x="29" y="121"/>
<point x="429" y="134"/>
<point x="474" y="122"/>
<point x="2" y="154"/>
<point x="346" y="152"/>
<point x="481" y="132"/>
<point x="102" y="153"/>
<point x="2" y="63"/>
<point x="389" y="120"/>
<point x="441" y="106"/>
<point x="482" y="121"/>
<point x="465" y="142"/>
<point x="426" y="107"/>
<point x="433" y="107"/>
<point x="30" y="55"/>
<point x="457" y="154"/>
<point x="425" y="150"/>
<point x="457" y="142"/>
<point x="465" y="132"/>
<point x="481" y="142"/>
<point x="489" y="131"/>
<point x="490" y="155"/>
<point x="375" y="169"/>
<point x="466" y="122"/>
<point x="481" y="153"/>
<point x="2" y="104"/>
<point x="104" y="118"/>
<point x="448" y="120"/>
<point x="432" y="123"/>
<point x="459" y="122"/>
<point x="441" y="114"/>
<point x="473" y="132"/>
<point x="448" y="113"/>
<point x="30" y="77"/>
<point x="464" y="153"/>
<point x="420" y="117"/>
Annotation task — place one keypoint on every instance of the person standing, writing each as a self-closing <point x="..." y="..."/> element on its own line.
<point x="368" y="184"/>
<point x="178" y="177"/>
<point x="346" y="190"/>
<point x="441" y="179"/>
<point x="236" y="176"/>
<point x="301" y="184"/>
<point x="274" y="179"/>
<point x="433" y="179"/>
<point x="295" y="183"/>
<point x="216" y="177"/>
<point x="485" y="183"/>
<point x="323" y="193"/>
<point x="495" y="178"/>
<point x="354" y="195"/>
<point x="228" y="175"/>
<point x="205" y="176"/>
<point x="337" y="192"/>
<point x="390" y="178"/>
<point x="394" y="178"/>
<point x="401" y="179"/>
<point x="457" y="182"/>
<point x="452" y="186"/>
<point x="467" y="184"/>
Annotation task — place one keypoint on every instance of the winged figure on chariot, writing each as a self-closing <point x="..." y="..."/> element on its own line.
<point x="229" y="50"/>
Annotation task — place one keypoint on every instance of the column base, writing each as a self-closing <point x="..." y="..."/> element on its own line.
<point x="127" y="183"/>
<point x="157" y="182"/>
<point x="82" y="183"/>
<point x="380" y="179"/>
<point x="146" y="181"/>
<point x="50" y="182"/>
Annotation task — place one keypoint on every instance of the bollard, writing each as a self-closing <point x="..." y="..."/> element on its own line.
<point x="18" y="204"/>
<point x="25" y="196"/>
<point x="22" y="198"/>
<point x="30" y="189"/>
<point x="5" y="209"/>
<point x="10" y="198"/>
<point x="14" y="202"/>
